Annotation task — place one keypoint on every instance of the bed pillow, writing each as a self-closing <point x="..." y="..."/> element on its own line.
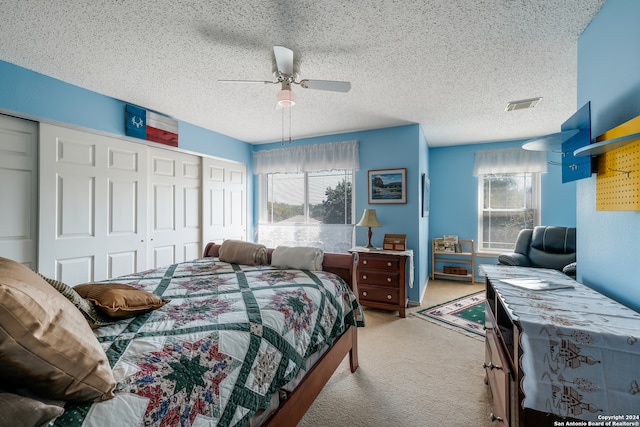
<point x="118" y="300"/>
<point x="21" y="411"/>
<point x="240" y="252"/>
<point x="297" y="257"/>
<point x="46" y="345"/>
<point x="88" y="310"/>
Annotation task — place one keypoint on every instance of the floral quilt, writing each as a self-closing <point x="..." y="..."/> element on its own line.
<point x="230" y="337"/>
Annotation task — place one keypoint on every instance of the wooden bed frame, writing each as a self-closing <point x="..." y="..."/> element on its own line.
<point x="291" y="411"/>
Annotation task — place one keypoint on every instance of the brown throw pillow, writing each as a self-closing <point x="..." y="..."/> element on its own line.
<point x="46" y="345"/>
<point x="119" y="300"/>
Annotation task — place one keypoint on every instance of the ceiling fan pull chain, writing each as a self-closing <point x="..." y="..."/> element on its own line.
<point x="290" y="112"/>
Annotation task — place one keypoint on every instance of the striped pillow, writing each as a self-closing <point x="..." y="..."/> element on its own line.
<point x="87" y="308"/>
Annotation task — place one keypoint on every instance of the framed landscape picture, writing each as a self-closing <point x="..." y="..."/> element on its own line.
<point x="388" y="186"/>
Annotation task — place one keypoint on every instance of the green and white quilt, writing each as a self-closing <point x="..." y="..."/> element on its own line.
<point x="230" y="337"/>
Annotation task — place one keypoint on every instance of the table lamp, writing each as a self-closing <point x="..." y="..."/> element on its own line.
<point x="369" y="219"/>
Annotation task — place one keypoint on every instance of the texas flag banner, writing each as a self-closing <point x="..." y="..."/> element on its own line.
<point x="144" y="124"/>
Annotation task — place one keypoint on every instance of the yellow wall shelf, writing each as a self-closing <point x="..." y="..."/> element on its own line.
<point x="618" y="179"/>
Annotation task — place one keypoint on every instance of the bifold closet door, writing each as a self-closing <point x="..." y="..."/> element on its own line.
<point x="93" y="210"/>
<point x="19" y="190"/>
<point x="224" y="199"/>
<point x="110" y="207"/>
<point x="174" y="207"/>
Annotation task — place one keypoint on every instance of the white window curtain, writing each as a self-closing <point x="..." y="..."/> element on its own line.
<point x="308" y="158"/>
<point x="510" y="160"/>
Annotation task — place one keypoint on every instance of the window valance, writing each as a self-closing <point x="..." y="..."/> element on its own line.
<point x="308" y="158"/>
<point x="509" y="160"/>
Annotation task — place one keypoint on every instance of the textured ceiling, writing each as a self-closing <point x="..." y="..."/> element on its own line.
<point x="449" y="65"/>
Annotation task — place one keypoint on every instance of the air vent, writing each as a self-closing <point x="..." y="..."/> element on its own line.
<point x="522" y="104"/>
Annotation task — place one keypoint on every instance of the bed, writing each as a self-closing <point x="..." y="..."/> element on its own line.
<point x="229" y="345"/>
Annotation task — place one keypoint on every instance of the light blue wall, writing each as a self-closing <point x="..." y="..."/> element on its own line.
<point x="454" y="193"/>
<point x="28" y="94"/>
<point x="609" y="77"/>
<point x="389" y="148"/>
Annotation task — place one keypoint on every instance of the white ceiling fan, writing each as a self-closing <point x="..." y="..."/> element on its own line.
<point x="286" y="76"/>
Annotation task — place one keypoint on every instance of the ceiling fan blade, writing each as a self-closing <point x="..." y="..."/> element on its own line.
<point x="331" y="85"/>
<point x="246" y="81"/>
<point x="284" y="59"/>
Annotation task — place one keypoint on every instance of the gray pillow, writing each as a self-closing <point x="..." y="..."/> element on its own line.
<point x="21" y="411"/>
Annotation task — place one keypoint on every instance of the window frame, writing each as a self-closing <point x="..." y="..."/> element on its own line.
<point x="536" y="200"/>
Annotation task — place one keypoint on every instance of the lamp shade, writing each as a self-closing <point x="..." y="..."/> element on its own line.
<point x="286" y="98"/>
<point x="369" y="219"/>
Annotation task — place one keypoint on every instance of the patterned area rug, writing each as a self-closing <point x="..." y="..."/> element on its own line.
<point x="465" y="314"/>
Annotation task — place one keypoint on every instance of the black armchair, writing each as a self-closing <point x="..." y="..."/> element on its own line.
<point x="544" y="247"/>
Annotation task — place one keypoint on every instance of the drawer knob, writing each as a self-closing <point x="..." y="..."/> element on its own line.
<point x="364" y="277"/>
<point x="389" y="279"/>
<point x="364" y="293"/>
<point x="388" y="296"/>
<point x="364" y="261"/>
<point x="490" y="365"/>
<point x="494" y="418"/>
<point x="388" y="264"/>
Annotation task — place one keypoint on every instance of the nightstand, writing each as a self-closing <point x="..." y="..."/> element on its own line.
<point x="382" y="278"/>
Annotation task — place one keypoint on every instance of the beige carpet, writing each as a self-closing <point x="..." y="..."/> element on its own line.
<point x="412" y="373"/>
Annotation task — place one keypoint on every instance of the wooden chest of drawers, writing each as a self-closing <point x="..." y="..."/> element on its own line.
<point x="381" y="279"/>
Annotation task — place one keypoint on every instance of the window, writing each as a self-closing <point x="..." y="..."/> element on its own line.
<point x="307" y="208"/>
<point x="508" y="202"/>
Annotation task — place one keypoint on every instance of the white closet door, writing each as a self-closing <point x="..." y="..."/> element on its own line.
<point x="175" y="206"/>
<point x="93" y="211"/>
<point x="19" y="190"/>
<point x="224" y="200"/>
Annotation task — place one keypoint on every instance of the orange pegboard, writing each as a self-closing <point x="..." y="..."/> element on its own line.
<point x="618" y="179"/>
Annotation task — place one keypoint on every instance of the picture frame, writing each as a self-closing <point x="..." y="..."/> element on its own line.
<point x="387" y="186"/>
<point x="426" y="194"/>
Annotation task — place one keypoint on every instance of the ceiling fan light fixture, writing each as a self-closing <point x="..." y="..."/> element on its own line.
<point x="286" y="98"/>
